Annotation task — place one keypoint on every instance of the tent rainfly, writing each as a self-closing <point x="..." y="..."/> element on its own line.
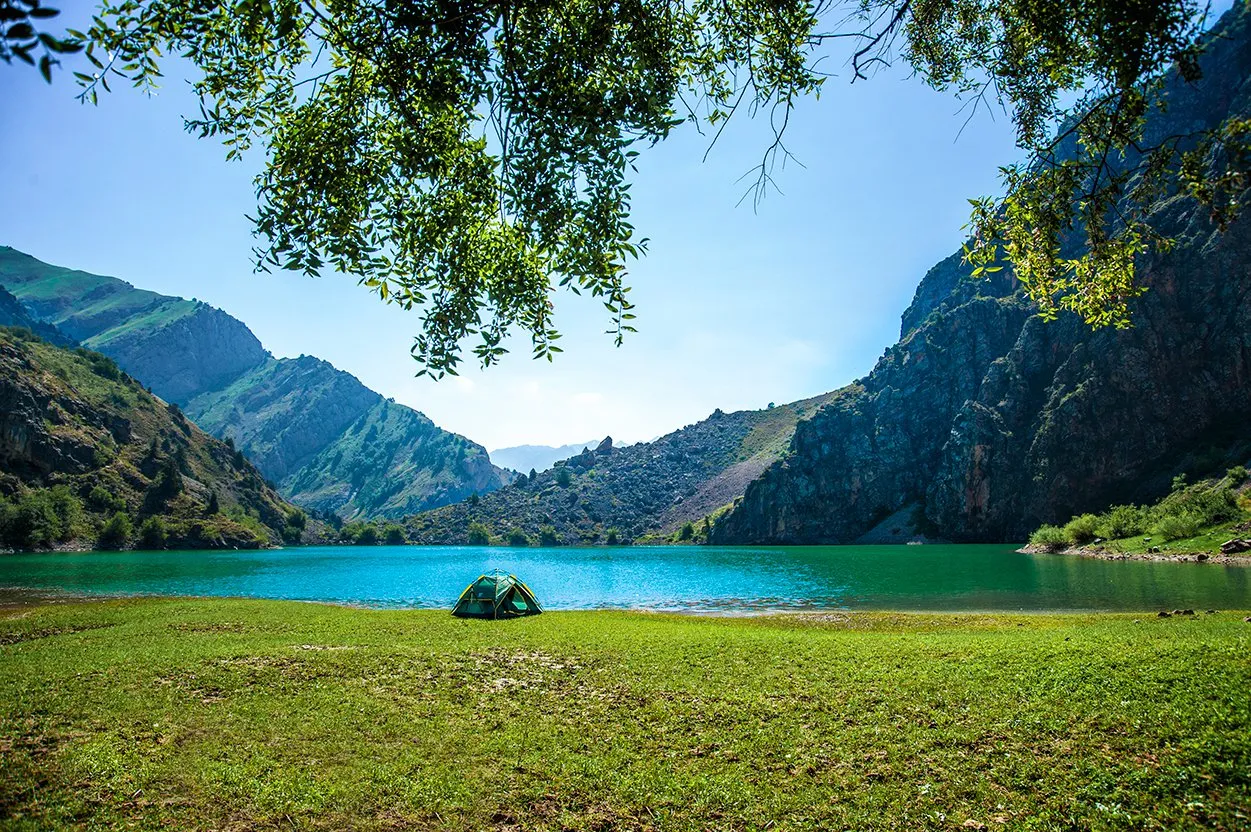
<point x="496" y="595"/>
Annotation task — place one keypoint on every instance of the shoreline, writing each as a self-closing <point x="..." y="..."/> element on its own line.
<point x="1097" y="553"/>
<point x="16" y="599"/>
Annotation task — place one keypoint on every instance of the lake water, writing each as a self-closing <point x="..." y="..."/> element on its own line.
<point x="672" y="578"/>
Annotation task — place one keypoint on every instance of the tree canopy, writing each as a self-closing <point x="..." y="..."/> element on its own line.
<point x="470" y="158"/>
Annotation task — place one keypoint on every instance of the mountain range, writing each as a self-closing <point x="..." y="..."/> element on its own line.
<point x="634" y="493"/>
<point x="325" y="440"/>
<point x="981" y="423"/>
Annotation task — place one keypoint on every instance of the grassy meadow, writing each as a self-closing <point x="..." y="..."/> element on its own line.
<point x="225" y="714"/>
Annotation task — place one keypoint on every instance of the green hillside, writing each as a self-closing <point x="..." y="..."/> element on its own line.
<point x="642" y="492"/>
<point x="284" y="414"/>
<point x="283" y="411"/>
<point x="1194" y="519"/>
<point x="88" y="456"/>
<point x="389" y="462"/>
<point x="14" y="313"/>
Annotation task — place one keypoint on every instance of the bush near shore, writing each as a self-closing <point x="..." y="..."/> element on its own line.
<point x="1193" y="517"/>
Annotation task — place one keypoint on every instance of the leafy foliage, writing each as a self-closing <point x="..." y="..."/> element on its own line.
<point x="468" y="160"/>
<point x="21" y="36"/>
<point x="1186" y="512"/>
<point x="1050" y="537"/>
<point x="393" y="535"/>
<point x="117" y="532"/>
<point x="41" y="518"/>
<point x="1122" y="521"/>
<point x="478" y="534"/>
<point x="1082" y="529"/>
<point x="1074" y="217"/>
<point x="153" y="534"/>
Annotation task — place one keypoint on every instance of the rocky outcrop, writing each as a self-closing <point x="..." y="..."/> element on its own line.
<point x="284" y="412"/>
<point x="992" y="421"/>
<point x="188" y="348"/>
<point x="392" y="461"/>
<point x="178" y="348"/>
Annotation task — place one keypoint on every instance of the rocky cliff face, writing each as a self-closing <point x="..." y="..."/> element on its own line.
<point x="988" y="421"/>
<point x="285" y="414"/>
<point x="284" y="411"/>
<point x="178" y="348"/>
<point x="182" y="349"/>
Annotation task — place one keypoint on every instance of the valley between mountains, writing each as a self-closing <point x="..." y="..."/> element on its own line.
<point x="982" y="423"/>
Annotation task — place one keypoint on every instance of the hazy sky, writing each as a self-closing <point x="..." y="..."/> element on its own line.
<point x="736" y="307"/>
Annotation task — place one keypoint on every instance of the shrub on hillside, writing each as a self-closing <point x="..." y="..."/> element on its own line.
<point x="152" y="534"/>
<point x="1121" y="522"/>
<point x="479" y="534"/>
<point x="41" y="517"/>
<point x="1082" y="529"/>
<point x="102" y="499"/>
<point x="116" y="532"/>
<point x="296" y="523"/>
<point x="250" y="520"/>
<point x="1178" y="526"/>
<point x="1209" y="505"/>
<point x="547" y="536"/>
<point x="393" y="535"/>
<point x="517" y="537"/>
<point x="1053" y="538"/>
<point x="1237" y="475"/>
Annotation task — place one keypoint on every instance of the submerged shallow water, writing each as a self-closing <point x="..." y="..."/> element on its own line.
<point x="671" y="578"/>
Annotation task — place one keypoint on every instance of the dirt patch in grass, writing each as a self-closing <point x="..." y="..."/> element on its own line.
<point x="20" y="636"/>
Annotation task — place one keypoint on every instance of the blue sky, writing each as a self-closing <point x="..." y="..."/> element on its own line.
<point x="737" y="307"/>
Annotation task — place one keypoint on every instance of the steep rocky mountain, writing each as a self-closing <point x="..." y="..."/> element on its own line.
<point x="82" y="444"/>
<point x="985" y="421"/>
<point x="651" y="488"/>
<point x="293" y="417"/>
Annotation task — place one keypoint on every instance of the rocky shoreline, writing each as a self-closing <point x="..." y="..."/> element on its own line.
<point x="1162" y="557"/>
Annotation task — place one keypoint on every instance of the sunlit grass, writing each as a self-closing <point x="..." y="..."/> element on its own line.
<point x="251" y="714"/>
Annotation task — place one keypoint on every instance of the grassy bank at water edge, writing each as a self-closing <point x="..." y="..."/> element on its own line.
<point x="199" y="714"/>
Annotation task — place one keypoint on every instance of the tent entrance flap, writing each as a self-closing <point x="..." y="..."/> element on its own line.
<point x="497" y="595"/>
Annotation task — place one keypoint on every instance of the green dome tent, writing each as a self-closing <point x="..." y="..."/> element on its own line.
<point x="496" y="595"/>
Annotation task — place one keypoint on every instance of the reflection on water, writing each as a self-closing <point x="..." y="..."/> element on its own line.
<point x="675" y="578"/>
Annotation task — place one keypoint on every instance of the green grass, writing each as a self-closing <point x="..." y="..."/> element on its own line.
<point x="148" y="320"/>
<point x="250" y="714"/>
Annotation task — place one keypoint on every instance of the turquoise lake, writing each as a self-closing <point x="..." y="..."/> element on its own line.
<point x="668" y="578"/>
